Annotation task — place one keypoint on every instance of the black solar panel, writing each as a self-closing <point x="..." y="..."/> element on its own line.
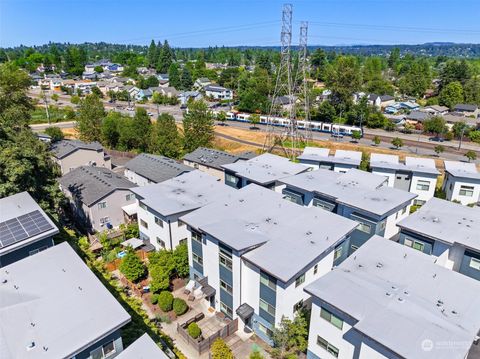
<point x="17" y="229"/>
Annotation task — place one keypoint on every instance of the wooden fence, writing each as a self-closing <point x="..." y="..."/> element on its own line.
<point x="205" y="344"/>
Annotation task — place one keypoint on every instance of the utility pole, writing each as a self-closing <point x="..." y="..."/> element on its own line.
<point x="45" y="100"/>
<point x="303" y="70"/>
<point x="461" y="138"/>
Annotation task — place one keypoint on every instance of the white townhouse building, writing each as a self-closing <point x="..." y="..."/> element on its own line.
<point x="392" y="302"/>
<point x="218" y="92"/>
<point x="160" y="205"/>
<point x="462" y="182"/>
<point x="447" y="231"/>
<point x="147" y="168"/>
<point x="357" y="195"/>
<point x="265" y="170"/>
<point x="341" y="161"/>
<point x="416" y="175"/>
<point x="252" y="253"/>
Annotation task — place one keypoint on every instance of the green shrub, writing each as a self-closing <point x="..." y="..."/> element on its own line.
<point x="154" y="298"/>
<point x="165" y="301"/>
<point x="220" y="350"/>
<point x="132" y="267"/>
<point x="179" y="306"/>
<point x="194" y="330"/>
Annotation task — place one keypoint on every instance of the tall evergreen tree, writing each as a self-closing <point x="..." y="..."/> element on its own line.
<point x="89" y="120"/>
<point x="174" y="76"/>
<point x="198" y="126"/>
<point x="165" y="58"/>
<point x="186" y="80"/>
<point x="165" y="139"/>
<point x="152" y="54"/>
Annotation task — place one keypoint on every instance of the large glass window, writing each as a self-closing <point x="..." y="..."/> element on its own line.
<point x="143" y="224"/>
<point x="197" y="236"/>
<point x="104" y="351"/>
<point x="293" y="197"/>
<point x="332" y="318"/>
<point x="265" y="330"/>
<point x="270" y="282"/>
<point x="197" y="258"/>
<point x="323" y="204"/>
<point x="226" y="309"/>
<point x="232" y="180"/>
<point x="226" y="287"/>
<point x="300" y="280"/>
<point x="160" y="242"/>
<point x="129" y="197"/>
<point x="466" y="191"/>
<point x="475" y="263"/>
<point x="423" y="185"/>
<point x="142" y="206"/>
<point x="338" y="253"/>
<point x="159" y="222"/>
<point x="419" y="246"/>
<point x="327" y="346"/>
<point x="102" y="205"/>
<point x="225" y="259"/>
<point x="270" y="309"/>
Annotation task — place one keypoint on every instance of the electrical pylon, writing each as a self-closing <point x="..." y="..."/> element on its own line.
<point x="303" y="83"/>
<point x="283" y="87"/>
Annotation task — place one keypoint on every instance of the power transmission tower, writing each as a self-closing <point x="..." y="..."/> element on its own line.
<point x="302" y="82"/>
<point x="283" y="87"/>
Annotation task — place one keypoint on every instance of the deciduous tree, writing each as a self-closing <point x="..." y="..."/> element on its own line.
<point x="89" y="119"/>
<point x="165" y="138"/>
<point x="198" y="126"/>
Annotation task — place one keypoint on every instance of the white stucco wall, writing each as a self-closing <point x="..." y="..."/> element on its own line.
<point x="390" y="174"/>
<point x="136" y="178"/>
<point x="423" y="195"/>
<point x="452" y="189"/>
<point x="391" y="225"/>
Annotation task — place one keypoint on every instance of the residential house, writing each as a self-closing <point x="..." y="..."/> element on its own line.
<point x="160" y="205"/>
<point x="409" y="105"/>
<point x="147" y="168"/>
<point x="97" y="196"/>
<point x="211" y="161"/>
<point x="266" y="170"/>
<point x="70" y="154"/>
<point x="393" y="302"/>
<point x="55" y="84"/>
<point x="186" y="96"/>
<point x="357" y="195"/>
<point x="84" y="86"/>
<point x="447" y="231"/>
<point x="53" y="306"/>
<point x="393" y="108"/>
<point x="25" y="229"/>
<point x="417" y="117"/>
<point x="467" y="110"/>
<point x="143" y="348"/>
<point x="436" y="110"/>
<point x="201" y="82"/>
<point x="417" y="175"/>
<point x="386" y="100"/>
<point x="165" y="91"/>
<point x="252" y="253"/>
<point x="218" y="92"/>
<point x="452" y="118"/>
<point x="324" y="96"/>
<point x="133" y="92"/>
<point x="462" y="182"/>
<point x="341" y="161"/>
<point x="163" y="77"/>
<point x="286" y="102"/>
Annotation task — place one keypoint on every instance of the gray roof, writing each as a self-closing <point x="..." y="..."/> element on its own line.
<point x="401" y="299"/>
<point x="437" y="108"/>
<point x="18" y="205"/>
<point x="265" y="168"/>
<point x="447" y="222"/>
<point x="63" y="148"/>
<point x="386" y="98"/>
<point x="184" y="193"/>
<point x="286" y="237"/>
<point x="380" y="160"/>
<point x="215" y="88"/>
<point x="421" y="165"/>
<point x="413" y="164"/>
<point x="452" y="118"/>
<point x="347" y="157"/>
<point x="465" y="107"/>
<point x="340" y="157"/>
<point x="462" y="169"/>
<point x="418" y="116"/>
<point x="143" y="348"/>
<point x="156" y="168"/>
<point x="358" y="189"/>
<point x="54" y="300"/>
<point x="211" y="158"/>
<point x="314" y="154"/>
<point x="90" y="184"/>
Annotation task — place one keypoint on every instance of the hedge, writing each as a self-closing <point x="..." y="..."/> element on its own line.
<point x="179" y="306"/>
<point x="165" y="301"/>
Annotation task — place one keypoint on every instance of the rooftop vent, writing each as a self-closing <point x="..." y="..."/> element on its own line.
<point x="379" y="265"/>
<point x="388" y="294"/>
<point x="31" y="345"/>
<point x="4" y="281"/>
<point x="401" y="300"/>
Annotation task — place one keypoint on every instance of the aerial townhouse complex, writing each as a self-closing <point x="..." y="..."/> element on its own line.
<point x="462" y="182"/>
<point x="252" y="253"/>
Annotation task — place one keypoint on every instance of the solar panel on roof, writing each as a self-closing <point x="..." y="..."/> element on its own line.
<point x="25" y="226"/>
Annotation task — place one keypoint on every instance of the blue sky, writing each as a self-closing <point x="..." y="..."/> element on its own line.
<point x="198" y="23"/>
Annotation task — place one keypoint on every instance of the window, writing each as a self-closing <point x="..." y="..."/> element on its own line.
<point x="330" y="317"/>
<point x="226" y="309"/>
<point x="129" y="197"/>
<point x="293" y="197"/>
<point x="300" y="280"/>
<point x="160" y="242"/>
<point x="315" y="269"/>
<point x="225" y="259"/>
<point x="423" y="185"/>
<point x="466" y="191"/>
<point x="104" y="220"/>
<point x="197" y="258"/>
<point x="226" y="287"/>
<point x="197" y="237"/>
<point x="265" y="279"/>
<point x="102" y="205"/>
<point x="364" y="227"/>
<point x="270" y="309"/>
<point x="338" y="253"/>
<point x="383" y="224"/>
<point x="35" y="251"/>
<point x="143" y="224"/>
<point x="231" y="180"/>
<point x="327" y="346"/>
<point x="323" y="204"/>
<point x="265" y="330"/>
<point x="475" y="263"/>
<point x="404" y="210"/>
<point x="104" y="351"/>
<point x="298" y="306"/>
<point x="353" y="248"/>
<point x="419" y="246"/>
<point x="142" y="206"/>
<point x="180" y="224"/>
<point x="195" y="165"/>
<point x="159" y="222"/>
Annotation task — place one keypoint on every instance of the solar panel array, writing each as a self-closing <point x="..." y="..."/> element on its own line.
<point x="26" y="226"/>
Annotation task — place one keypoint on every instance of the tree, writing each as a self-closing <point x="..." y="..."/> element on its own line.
<point x="455" y="71"/>
<point x="356" y="135"/>
<point x="376" y="120"/>
<point x="220" y="350"/>
<point x="135" y="132"/>
<point x="435" y="125"/>
<point x="165" y="58"/>
<point x="97" y="92"/>
<point x="471" y="155"/>
<point x="416" y="79"/>
<point x="472" y="91"/>
<point x="165" y="138"/>
<point x="325" y="113"/>
<point x="460" y="129"/>
<point x="194" y="330"/>
<point x="75" y="99"/>
<point x="439" y="149"/>
<point x="186" y="79"/>
<point x="55" y="97"/>
<point x="451" y="94"/>
<point x="55" y="133"/>
<point x="89" y="119"/>
<point x="397" y="142"/>
<point x="152" y="55"/>
<point x="179" y="306"/>
<point x="151" y="81"/>
<point x="165" y="301"/>
<point x="394" y="58"/>
<point x="254" y="120"/>
<point x="15" y="105"/>
<point x="222" y="118"/>
<point x="343" y="78"/>
<point x="132" y="267"/>
<point x="290" y="337"/>
<point x="98" y="69"/>
<point x="376" y="140"/>
<point x="110" y="129"/>
<point x="198" y="126"/>
<point x="180" y="258"/>
<point x="174" y="76"/>
<point x="255" y="354"/>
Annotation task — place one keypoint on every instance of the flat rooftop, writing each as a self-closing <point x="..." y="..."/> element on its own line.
<point x="414" y="164"/>
<point x="422" y="165"/>
<point x="447" y="222"/>
<point x="404" y="301"/>
<point x="279" y="237"/>
<point x="22" y="222"/>
<point x="156" y="168"/>
<point x="55" y="301"/>
<point x="143" y="348"/>
<point x="340" y="157"/>
<point x="462" y="169"/>
<point x="314" y="154"/>
<point x="184" y="193"/>
<point x="356" y="188"/>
